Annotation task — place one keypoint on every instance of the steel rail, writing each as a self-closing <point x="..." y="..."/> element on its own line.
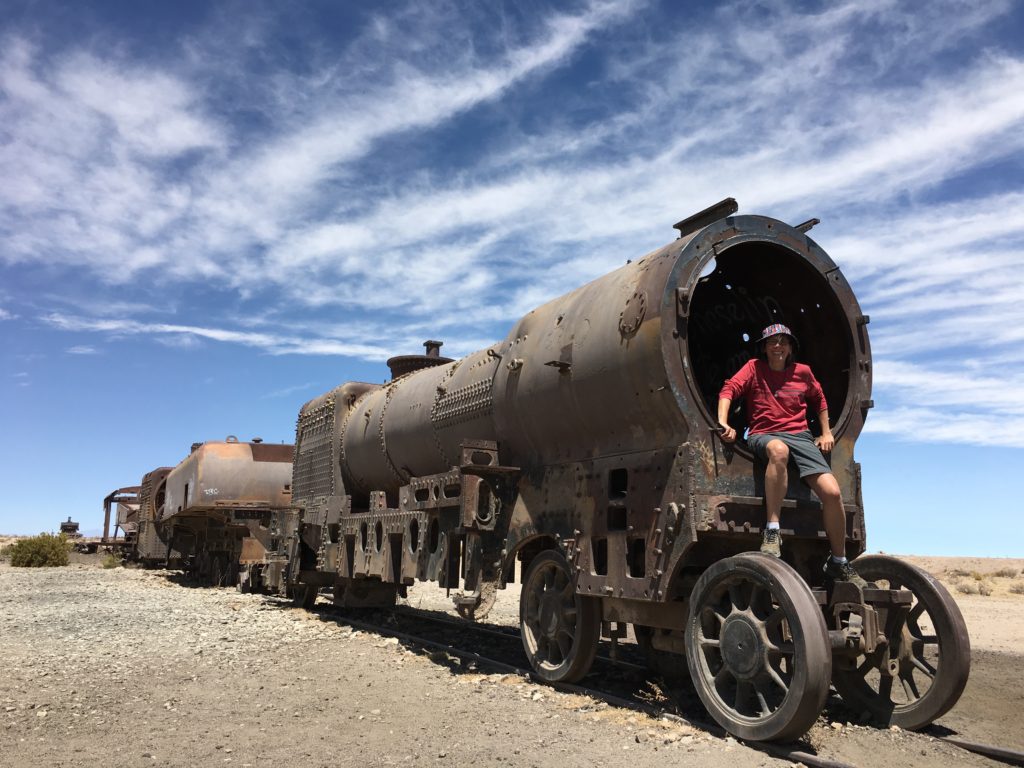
<point x="1003" y="755"/>
<point x="511" y="634"/>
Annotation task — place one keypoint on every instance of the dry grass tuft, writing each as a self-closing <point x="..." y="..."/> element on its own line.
<point x="973" y="587"/>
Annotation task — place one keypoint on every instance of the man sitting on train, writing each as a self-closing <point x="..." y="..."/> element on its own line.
<point x="777" y="391"/>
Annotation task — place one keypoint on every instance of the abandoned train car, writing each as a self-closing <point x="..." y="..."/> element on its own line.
<point x="211" y="511"/>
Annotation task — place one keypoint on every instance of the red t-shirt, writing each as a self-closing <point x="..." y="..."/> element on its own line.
<point x="776" y="400"/>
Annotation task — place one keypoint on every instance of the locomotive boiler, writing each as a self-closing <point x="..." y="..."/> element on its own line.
<point x="580" y="455"/>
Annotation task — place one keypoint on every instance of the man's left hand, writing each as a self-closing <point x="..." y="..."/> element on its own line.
<point x="825" y="443"/>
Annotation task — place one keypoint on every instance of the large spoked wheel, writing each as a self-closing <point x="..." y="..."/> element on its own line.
<point x="757" y="648"/>
<point x="560" y="628"/>
<point x="922" y="671"/>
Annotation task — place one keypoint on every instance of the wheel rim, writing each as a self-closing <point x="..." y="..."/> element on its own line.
<point x="559" y="627"/>
<point x="920" y="674"/>
<point x="757" y="648"/>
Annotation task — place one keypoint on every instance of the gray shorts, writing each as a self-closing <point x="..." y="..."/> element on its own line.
<point x="802" y="451"/>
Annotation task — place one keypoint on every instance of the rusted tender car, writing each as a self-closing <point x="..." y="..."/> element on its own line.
<point x="582" y="449"/>
<point x="215" y="506"/>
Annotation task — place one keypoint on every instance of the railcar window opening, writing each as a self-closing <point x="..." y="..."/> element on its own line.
<point x="753" y="285"/>
<point x="637" y="558"/>
<point x="618" y="483"/>
<point x="600" y="556"/>
<point x="414" y="536"/>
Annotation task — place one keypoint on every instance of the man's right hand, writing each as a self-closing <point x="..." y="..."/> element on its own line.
<point x="728" y="433"/>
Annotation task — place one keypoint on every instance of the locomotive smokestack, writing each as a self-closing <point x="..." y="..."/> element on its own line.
<point x="403" y="364"/>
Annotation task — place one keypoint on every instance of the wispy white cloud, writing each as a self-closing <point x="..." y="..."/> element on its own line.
<point x="82" y="349"/>
<point x="951" y="386"/>
<point x="6" y="314"/>
<point x="285" y="391"/>
<point x="270" y="343"/>
<point x="939" y="425"/>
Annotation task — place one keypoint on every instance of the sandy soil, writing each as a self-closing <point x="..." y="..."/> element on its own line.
<point x="130" y="667"/>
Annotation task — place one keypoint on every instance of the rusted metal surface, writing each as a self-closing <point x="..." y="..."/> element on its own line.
<point x="225" y="474"/>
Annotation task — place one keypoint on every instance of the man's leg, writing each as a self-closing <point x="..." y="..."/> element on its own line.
<point x="776" y="478"/>
<point x="833" y="514"/>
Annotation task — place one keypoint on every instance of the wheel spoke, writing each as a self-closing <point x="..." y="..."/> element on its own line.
<point x="724" y="676"/>
<point x="777" y="679"/>
<point x="782" y="649"/>
<point x="542" y="647"/>
<point x="736" y="596"/>
<point x="773" y="622"/>
<point x="761" y="602"/>
<point x="719" y="615"/>
<point x="910" y="687"/>
<point x="926" y="669"/>
<point x="564" y="640"/>
<point x="762" y="703"/>
<point x="743" y="690"/>
<point x="885" y="688"/>
<point x="866" y="666"/>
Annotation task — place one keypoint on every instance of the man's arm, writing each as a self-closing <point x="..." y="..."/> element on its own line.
<point x="728" y="433"/>
<point x="826" y="441"/>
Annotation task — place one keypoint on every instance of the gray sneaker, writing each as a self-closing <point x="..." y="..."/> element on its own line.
<point x="771" y="544"/>
<point x="835" y="571"/>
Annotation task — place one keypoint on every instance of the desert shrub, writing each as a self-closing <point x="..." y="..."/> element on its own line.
<point x="967" y="587"/>
<point x="954" y="573"/>
<point x="984" y="588"/>
<point x="111" y="560"/>
<point x="1006" y="573"/>
<point x="42" y="551"/>
<point x="5" y="552"/>
<point x="1018" y="588"/>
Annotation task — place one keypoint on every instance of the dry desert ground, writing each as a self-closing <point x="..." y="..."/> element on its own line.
<point x="129" y="667"/>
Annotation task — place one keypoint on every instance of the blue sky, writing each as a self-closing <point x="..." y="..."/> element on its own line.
<point x="212" y="212"/>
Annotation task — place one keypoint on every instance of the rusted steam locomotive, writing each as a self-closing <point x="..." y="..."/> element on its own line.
<point x="582" y="450"/>
<point x="581" y="455"/>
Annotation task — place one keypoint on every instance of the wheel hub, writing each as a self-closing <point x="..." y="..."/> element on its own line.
<point x="550" y="614"/>
<point x="742" y="646"/>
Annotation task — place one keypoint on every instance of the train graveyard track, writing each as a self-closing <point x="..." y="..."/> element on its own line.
<point x="620" y="677"/>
